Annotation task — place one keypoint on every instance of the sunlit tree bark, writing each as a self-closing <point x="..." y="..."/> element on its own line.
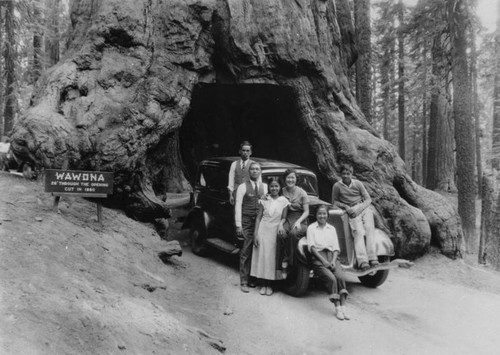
<point x="10" y="60"/>
<point x="363" y="64"/>
<point x="464" y="125"/>
<point x="495" y="161"/>
<point x="401" y="83"/>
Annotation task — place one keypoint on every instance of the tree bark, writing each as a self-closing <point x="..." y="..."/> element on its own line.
<point x="363" y="64"/>
<point x="124" y="92"/>
<point x="424" y="114"/>
<point x="464" y="126"/>
<point x="10" y="68"/>
<point x="475" y="112"/>
<point x="52" y="38"/>
<point x="489" y="230"/>
<point x="1" y="71"/>
<point x="495" y="144"/>
<point x="440" y="156"/>
<point x="401" y="83"/>
<point x="37" y="42"/>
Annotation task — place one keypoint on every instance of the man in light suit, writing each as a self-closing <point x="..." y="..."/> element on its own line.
<point x="239" y="171"/>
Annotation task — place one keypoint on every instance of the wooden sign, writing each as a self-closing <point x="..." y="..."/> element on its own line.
<point x="78" y="182"/>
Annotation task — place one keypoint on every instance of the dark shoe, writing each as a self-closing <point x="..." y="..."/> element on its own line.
<point x="364" y="266"/>
<point x="374" y="263"/>
<point x="251" y="284"/>
<point x="244" y="289"/>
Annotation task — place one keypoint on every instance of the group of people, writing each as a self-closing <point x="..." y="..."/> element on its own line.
<point x="271" y="219"/>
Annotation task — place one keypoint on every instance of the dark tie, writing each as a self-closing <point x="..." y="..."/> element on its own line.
<point x="256" y="189"/>
<point x="242" y="165"/>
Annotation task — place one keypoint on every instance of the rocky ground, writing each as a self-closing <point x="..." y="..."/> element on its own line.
<point x="71" y="286"/>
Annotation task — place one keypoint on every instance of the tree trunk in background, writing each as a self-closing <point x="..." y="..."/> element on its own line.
<point x="37" y="42"/>
<point x="495" y="144"/>
<point x="401" y="83"/>
<point x="440" y="158"/>
<point x="363" y="64"/>
<point x="490" y="233"/>
<point x="10" y="67"/>
<point x="52" y="38"/>
<point x="1" y="71"/>
<point x="464" y="125"/>
<point x="424" y="115"/>
<point x="475" y="112"/>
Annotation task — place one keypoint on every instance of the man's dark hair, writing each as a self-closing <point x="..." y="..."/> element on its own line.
<point x="323" y="206"/>
<point x="347" y="167"/>
<point x="245" y="143"/>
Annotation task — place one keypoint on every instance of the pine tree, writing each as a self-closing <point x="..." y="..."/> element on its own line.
<point x="363" y="64"/>
<point x="464" y="127"/>
<point x="401" y="83"/>
<point x="495" y="146"/>
<point x="10" y="67"/>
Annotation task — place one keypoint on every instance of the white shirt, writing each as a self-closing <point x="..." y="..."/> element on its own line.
<point x="240" y="193"/>
<point x="230" y="183"/>
<point x="322" y="238"/>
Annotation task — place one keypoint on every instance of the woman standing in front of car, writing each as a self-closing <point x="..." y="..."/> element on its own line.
<point x="267" y="226"/>
<point x="295" y="225"/>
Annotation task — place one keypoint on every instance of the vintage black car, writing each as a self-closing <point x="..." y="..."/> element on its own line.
<point x="211" y="222"/>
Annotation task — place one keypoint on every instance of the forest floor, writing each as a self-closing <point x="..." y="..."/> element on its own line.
<point x="71" y="286"/>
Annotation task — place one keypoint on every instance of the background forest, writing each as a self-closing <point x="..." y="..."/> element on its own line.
<point x="426" y="78"/>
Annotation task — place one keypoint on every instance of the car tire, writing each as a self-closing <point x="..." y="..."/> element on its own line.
<point x="197" y="237"/>
<point x="377" y="278"/>
<point x="297" y="281"/>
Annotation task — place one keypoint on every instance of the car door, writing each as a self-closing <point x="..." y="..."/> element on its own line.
<point x="214" y="199"/>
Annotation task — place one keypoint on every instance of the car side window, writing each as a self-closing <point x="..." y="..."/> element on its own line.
<point x="213" y="178"/>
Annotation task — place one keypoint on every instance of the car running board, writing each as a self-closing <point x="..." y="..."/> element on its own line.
<point x="382" y="266"/>
<point x="222" y="245"/>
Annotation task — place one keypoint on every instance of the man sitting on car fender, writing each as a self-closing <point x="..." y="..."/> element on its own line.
<point x="350" y="195"/>
<point x="246" y="209"/>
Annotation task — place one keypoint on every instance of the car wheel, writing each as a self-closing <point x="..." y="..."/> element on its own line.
<point x="377" y="278"/>
<point x="197" y="237"/>
<point x="28" y="172"/>
<point x="297" y="281"/>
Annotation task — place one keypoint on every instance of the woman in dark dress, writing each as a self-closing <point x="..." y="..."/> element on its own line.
<point x="295" y="224"/>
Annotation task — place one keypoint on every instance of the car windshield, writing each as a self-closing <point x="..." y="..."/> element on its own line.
<point x="214" y="178"/>
<point x="306" y="181"/>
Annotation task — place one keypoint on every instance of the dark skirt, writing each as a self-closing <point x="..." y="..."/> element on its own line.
<point x="287" y="244"/>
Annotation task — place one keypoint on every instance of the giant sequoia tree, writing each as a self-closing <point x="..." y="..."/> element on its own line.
<point x="150" y="87"/>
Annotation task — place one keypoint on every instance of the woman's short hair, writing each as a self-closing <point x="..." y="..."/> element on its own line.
<point x="290" y="171"/>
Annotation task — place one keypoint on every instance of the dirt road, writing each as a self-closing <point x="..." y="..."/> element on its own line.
<point x="437" y="307"/>
<point x="70" y="286"/>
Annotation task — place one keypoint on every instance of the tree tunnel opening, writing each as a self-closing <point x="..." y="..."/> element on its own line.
<point x="222" y="116"/>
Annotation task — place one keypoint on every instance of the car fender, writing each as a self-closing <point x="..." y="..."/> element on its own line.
<point x="383" y="244"/>
<point x="197" y="216"/>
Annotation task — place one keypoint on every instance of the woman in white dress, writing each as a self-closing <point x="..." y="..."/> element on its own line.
<point x="269" y="222"/>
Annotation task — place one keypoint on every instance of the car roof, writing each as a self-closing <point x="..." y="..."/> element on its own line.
<point x="264" y="163"/>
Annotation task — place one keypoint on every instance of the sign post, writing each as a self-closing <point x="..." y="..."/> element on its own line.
<point x="97" y="184"/>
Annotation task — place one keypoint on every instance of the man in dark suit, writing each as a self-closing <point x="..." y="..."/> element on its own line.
<point x="246" y="209"/>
